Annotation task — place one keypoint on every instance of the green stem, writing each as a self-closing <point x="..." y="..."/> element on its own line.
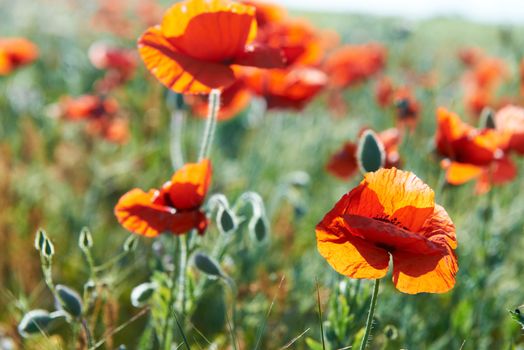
<point x="209" y="131"/>
<point x="87" y="332"/>
<point x="175" y="145"/>
<point x="182" y="264"/>
<point x="234" y="292"/>
<point x="369" y="322"/>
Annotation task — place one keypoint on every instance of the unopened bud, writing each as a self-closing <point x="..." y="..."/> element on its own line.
<point x="85" y="241"/>
<point x="207" y="265"/>
<point x="69" y="300"/>
<point x="142" y="293"/>
<point x="370" y="152"/>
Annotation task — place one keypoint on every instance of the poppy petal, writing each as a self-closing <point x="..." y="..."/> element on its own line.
<point x="225" y="35"/>
<point x="460" y="173"/>
<point x="261" y="56"/>
<point x="418" y="273"/>
<point x="189" y="185"/>
<point x="403" y="195"/>
<point x="343" y="164"/>
<point x="350" y="255"/>
<point x="177" y="71"/>
<point x="136" y="212"/>
<point x="388" y="235"/>
<point x="439" y="228"/>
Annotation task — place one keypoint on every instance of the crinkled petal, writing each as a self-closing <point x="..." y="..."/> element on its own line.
<point x="189" y="185"/>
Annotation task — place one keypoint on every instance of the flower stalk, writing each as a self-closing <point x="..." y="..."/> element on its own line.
<point x="369" y="322"/>
<point x="211" y="121"/>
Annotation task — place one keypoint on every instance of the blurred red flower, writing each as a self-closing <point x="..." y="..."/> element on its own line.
<point x="16" y="52"/>
<point x="344" y="165"/>
<point x="175" y="54"/>
<point x="384" y="92"/>
<point x="175" y="208"/>
<point x="352" y="64"/>
<point x="391" y="213"/>
<point x="120" y="64"/>
<point x="289" y="88"/>
<point x="100" y="114"/>
<point x="510" y="122"/>
<point x="407" y="107"/>
<point x="471" y="153"/>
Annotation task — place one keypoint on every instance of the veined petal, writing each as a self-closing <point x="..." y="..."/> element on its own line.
<point x="177" y="71"/>
<point x="189" y="185"/>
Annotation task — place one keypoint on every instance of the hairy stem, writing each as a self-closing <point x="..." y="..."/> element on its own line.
<point x="369" y="322"/>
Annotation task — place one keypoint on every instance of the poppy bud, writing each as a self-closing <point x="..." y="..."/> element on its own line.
<point x="48" y="250"/>
<point x="487" y="119"/>
<point x="518" y="316"/>
<point x="391" y="332"/>
<point x="259" y="228"/>
<point x="298" y="178"/>
<point x="34" y="322"/>
<point x="85" y="241"/>
<point x="226" y="220"/>
<point x="207" y="265"/>
<point x="89" y="287"/>
<point x="131" y="243"/>
<point x="68" y="300"/>
<point x="40" y="239"/>
<point x="142" y="293"/>
<point x="370" y="152"/>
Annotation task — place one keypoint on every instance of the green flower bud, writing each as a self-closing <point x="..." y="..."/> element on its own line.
<point x="370" y="152"/>
<point x="68" y="300"/>
<point x="48" y="249"/>
<point x="259" y="228"/>
<point x="226" y="220"/>
<point x="40" y="239"/>
<point x="34" y="322"/>
<point x="207" y="265"/>
<point x="142" y="293"/>
<point x="131" y="243"/>
<point x="85" y="241"/>
<point x="487" y="119"/>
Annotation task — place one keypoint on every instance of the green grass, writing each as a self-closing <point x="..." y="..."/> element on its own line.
<point x="55" y="177"/>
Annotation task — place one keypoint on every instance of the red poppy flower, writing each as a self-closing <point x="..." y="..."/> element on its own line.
<point x="99" y="113"/>
<point x="470" y="56"/>
<point x="104" y="56"/>
<point x="391" y="213"/>
<point x="472" y="153"/>
<point x="289" y="88"/>
<point x="407" y="107"/>
<point x="510" y="121"/>
<point x="353" y="64"/>
<point x="16" y="52"/>
<point x="266" y="13"/>
<point x="384" y="92"/>
<point x="199" y="41"/>
<point x="175" y="208"/>
<point x="300" y="43"/>
<point x="233" y="100"/>
<point x="344" y="164"/>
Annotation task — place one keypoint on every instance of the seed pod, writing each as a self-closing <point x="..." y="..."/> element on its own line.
<point x="370" y="152"/>
<point x="85" y="241"/>
<point x="207" y="265"/>
<point x="142" y="293"/>
<point x="34" y="322"/>
<point x="68" y="300"/>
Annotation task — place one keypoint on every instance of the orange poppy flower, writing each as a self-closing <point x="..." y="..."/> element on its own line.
<point x="233" y="100"/>
<point x="470" y="56"/>
<point x="199" y="41"/>
<point x="510" y="122"/>
<point x="471" y="153"/>
<point x="16" y="52"/>
<point x="344" y="164"/>
<point x="175" y="208"/>
<point x="289" y="88"/>
<point x="352" y="64"/>
<point x="391" y="213"/>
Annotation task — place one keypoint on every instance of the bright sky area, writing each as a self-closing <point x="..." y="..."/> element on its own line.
<point x="499" y="11"/>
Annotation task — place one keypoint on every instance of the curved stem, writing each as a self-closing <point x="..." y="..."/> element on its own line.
<point x="369" y="322"/>
<point x="182" y="263"/>
<point x="209" y="131"/>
